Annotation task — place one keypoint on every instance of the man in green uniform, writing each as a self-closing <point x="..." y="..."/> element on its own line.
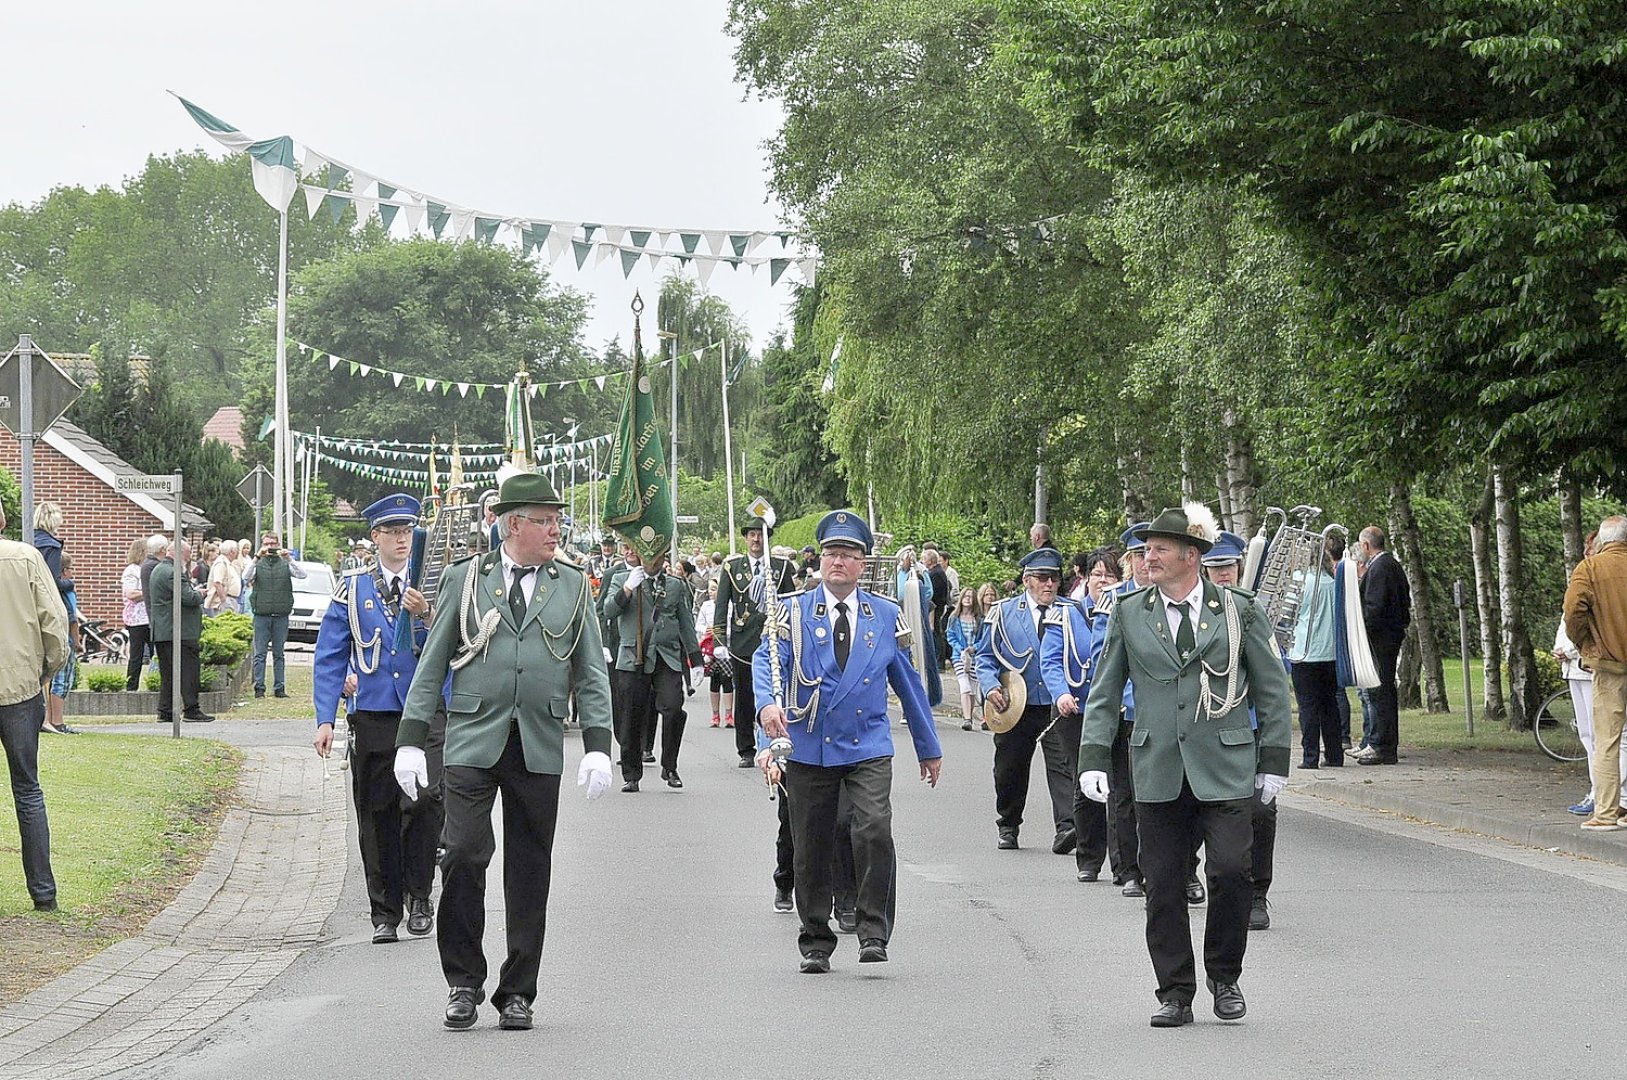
<point x="1197" y="654"/>
<point x="655" y="630"/>
<point x="518" y="632"/>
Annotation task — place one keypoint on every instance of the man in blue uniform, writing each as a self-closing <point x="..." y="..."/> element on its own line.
<point x="830" y="658"/>
<point x="1011" y="642"/>
<point x="356" y="657"/>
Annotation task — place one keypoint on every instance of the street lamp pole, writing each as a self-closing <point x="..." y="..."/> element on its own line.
<point x="672" y="557"/>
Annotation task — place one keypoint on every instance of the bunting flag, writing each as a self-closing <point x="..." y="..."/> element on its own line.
<point x="280" y="164"/>
<point x="433" y="384"/>
<point x="638" y="505"/>
<point x="419" y="453"/>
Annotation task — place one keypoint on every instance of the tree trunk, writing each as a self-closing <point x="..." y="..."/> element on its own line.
<point x="1406" y="671"/>
<point x="1409" y="549"/>
<point x="1570" y="520"/>
<point x="1485" y="594"/>
<point x="1225" y="494"/>
<point x="1189" y="483"/>
<point x="1524" y="687"/>
<point x="1132" y="488"/>
<point x="1241" y="480"/>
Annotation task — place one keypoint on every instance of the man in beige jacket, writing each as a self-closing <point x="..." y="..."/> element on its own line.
<point x="36" y="646"/>
<point x="1596" y="620"/>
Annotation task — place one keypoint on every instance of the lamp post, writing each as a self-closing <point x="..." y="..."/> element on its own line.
<point x="668" y="335"/>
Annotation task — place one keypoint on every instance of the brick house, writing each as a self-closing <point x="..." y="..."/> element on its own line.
<point x="76" y="472"/>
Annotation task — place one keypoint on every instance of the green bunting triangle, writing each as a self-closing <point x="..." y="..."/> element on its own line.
<point x="640" y="237"/>
<point x="486" y="229"/>
<point x="419" y="379"/>
<point x="739" y="243"/>
<point x="438" y="217"/>
<point x="480" y="390"/>
<point x="387" y="213"/>
<point x="776" y="267"/>
<point x="333" y="177"/>
<point x="533" y="235"/>
<point x="582" y="249"/>
<point x="355" y="368"/>
<point x="690" y="241"/>
<point x="587" y="230"/>
<point x="335" y="207"/>
<point x="629" y="259"/>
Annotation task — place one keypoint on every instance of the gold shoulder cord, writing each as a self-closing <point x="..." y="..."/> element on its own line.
<point x="366" y="662"/>
<point x="485" y="627"/>
<point x="550" y="638"/>
<point x="1236" y="685"/>
<point x="1000" y="629"/>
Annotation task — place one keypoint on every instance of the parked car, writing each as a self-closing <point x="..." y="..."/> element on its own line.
<point x="312" y="594"/>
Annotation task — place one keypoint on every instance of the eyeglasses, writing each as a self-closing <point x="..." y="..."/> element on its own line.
<point x="395" y="532"/>
<point x="842" y="555"/>
<point x="537" y="520"/>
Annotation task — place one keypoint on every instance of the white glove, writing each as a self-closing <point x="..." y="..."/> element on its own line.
<point x="1270" y="785"/>
<point x="595" y="773"/>
<point x="635" y="578"/>
<point x="411" y="770"/>
<point x="1094" y="785"/>
<point x="607" y="657"/>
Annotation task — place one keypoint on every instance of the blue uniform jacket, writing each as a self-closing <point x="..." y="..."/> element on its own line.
<point x="383" y="690"/>
<point x="1009" y="639"/>
<point x="850" y="724"/>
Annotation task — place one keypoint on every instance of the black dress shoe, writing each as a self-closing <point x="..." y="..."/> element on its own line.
<point x="872" y="951"/>
<point x="197" y="718"/>
<point x="1194" y="892"/>
<point x="649" y="759"/>
<point x="782" y="900"/>
<point x="815" y="964"/>
<point x="631" y="785"/>
<point x="45" y="905"/>
<point x="1228" y="1000"/>
<point x="847" y="922"/>
<point x="259" y="692"/>
<point x="747" y="763"/>
<point x="1090" y="875"/>
<point x="280" y="693"/>
<point x="384" y="934"/>
<point x="1172" y="1014"/>
<point x="671" y="777"/>
<point x="1133" y="887"/>
<point x="1008" y="840"/>
<point x="461" y="1006"/>
<point x="420" y="917"/>
<point x="1259" y="914"/>
<point x="514" y="1014"/>
<point x="1066" y="840"/>
<point x="1308" y="764"/>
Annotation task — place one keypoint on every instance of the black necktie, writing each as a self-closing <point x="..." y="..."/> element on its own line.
<point x="1042" y="609"/>
<point x="844" y="636"/>
<point x="395" y="592"/>
<point x="1185" y="640"/>
<point x="516" y="593"/>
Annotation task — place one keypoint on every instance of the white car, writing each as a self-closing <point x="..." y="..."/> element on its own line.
<point x="312" y="594"/>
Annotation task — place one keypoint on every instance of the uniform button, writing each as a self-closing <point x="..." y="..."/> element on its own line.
<point x="397" y="674"/>
<point x="1183" y="706"/>
<point x="867" y="682"/>
<point x="827" y="738"/>
<point x="1180" y="738"/>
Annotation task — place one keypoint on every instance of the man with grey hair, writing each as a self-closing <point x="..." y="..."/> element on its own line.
<point x="36" y="625"/>
<point x="177" y="646"/>
<point x="1596" y="620"/>
<point x="1386" y="607"/>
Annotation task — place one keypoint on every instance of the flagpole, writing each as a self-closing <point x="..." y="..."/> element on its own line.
<point x="728" y="445"/>
<point x="283" y="511"/>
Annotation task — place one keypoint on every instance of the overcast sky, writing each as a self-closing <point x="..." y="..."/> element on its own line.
<point x="623" y="111"/>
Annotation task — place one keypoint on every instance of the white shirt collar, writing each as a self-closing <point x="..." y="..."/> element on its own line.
<point x="508" y="564"/>
<point x="830" y="601"/>
<point x="1190" y="600"/>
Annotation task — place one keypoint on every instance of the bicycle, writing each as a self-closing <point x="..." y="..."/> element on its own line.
<point x="98" y="644"/>
<point x="1555" y="728"/>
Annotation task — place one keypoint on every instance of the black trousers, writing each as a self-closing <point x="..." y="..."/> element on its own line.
<point x="1316" y="688"/>
<point x="140" y="639"/>
<point x="815" y="796"/>
<point x="1386" y="719"/>
<point x="1170" y="832"/>
<point x="1089" y="821"/>
<point x="397" y="837"/>
<point x="1013" y="757"/>
<point x="530" y="809"/>
<point x="745" y="709"/>
<point x="648" y="696"/>
<point x="1122" y="843"/>
<point x="1263" y="851"/>
<point x="189" y="678"/>
<point x="844" y="883"/>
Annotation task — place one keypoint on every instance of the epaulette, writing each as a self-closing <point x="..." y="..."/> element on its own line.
<point x="565" y="560"/>
<point x="882" y="603"/>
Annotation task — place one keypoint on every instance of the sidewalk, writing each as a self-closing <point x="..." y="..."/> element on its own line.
<point x="260" y="899"/>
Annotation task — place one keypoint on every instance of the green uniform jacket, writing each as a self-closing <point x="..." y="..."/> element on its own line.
<point x="610" y="585"/>
<point x="668" y="625"/>
<point x="525" y="674"/>
<point x="1173" y="738"/>
<point x="735" y="619"/>
<point x="161" y="604"/>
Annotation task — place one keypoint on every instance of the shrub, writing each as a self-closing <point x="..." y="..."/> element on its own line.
<point x="1549" y="676"/>
<point x="105" y="682"/>
<point x="152" y="682"/>
<point x="210" y="679"/>
<point x="226" y="640"/>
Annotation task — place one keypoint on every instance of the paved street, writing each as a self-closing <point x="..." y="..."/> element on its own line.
<point x="1398" y="950"/>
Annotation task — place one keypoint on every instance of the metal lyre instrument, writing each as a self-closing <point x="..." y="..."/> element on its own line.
<point x="456" y="516"/>
<point x="1293" y="563"/>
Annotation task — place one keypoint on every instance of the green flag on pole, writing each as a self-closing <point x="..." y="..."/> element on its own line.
<point x="638" y="505"/>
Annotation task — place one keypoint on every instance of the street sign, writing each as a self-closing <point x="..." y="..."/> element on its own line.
<point x="256" y="487"/>
<point x="53" y="393"/>
<point x="147" y="484"/>
<point x="687" y="519"/>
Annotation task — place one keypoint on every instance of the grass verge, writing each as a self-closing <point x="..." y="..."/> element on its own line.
<point x="131" y="819"/>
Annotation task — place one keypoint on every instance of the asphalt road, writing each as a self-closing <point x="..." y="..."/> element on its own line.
<point x="1397" y="951"/>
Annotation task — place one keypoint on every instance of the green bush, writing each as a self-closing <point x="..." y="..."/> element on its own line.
<point x="226" y="640"/>
<point x="105" y="682"/>
<point x="1549" y="675"/>
<point x="152" y="682"/>
<point x="211" y="679"/>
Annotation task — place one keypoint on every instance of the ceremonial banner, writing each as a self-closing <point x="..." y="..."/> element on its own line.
<point x="638" y="505"/>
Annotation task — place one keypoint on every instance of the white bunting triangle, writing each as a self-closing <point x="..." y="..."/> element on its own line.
<point x="703" y="270"/>
<point x="463" y="223"/>
<point x="333" y="361"/>
<point x="463" y="389"/>
<point x="395" y="377"/>
<point x="365" y="369"/>
<point x="415" y="216"/>
<point x="615" y="234"/>
<point x="599" y="381"/>
<point x="601" y="252"/>
<point x="313" y="199"/>
<point x="715" y="240"/>
<point x="558" y="240"/>
<point x="807" y="268"/>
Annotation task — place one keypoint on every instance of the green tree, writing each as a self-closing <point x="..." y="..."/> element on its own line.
<point x="700" y="320"/>
<point x="792" y="460"/>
